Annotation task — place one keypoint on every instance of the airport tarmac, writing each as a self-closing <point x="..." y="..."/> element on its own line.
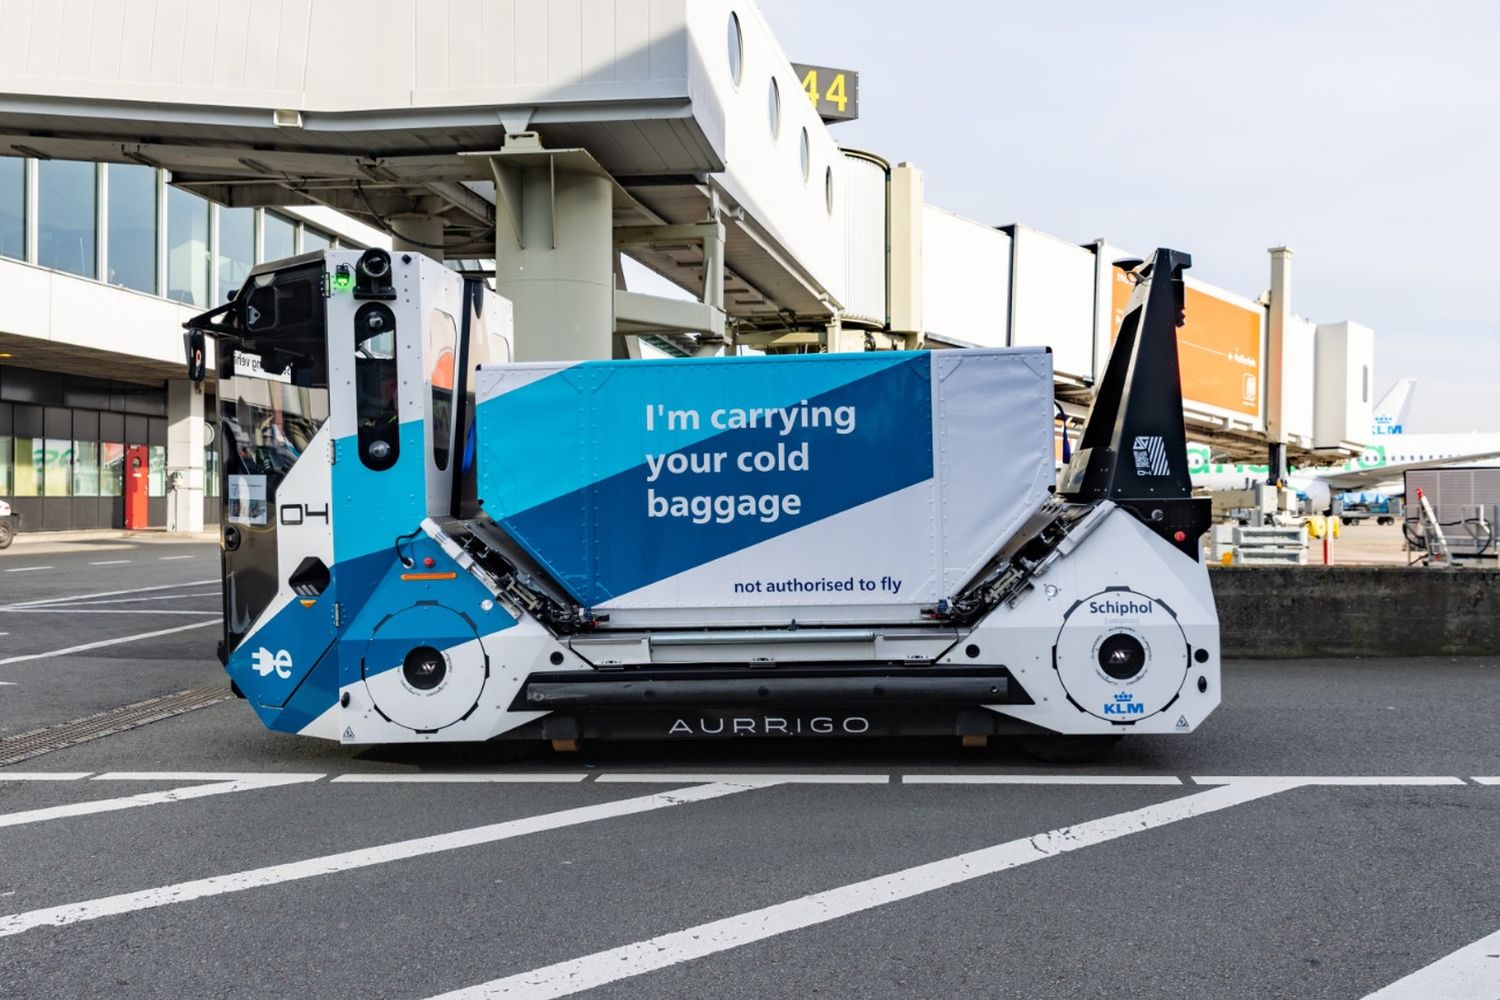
<point x="1328" y="833"/>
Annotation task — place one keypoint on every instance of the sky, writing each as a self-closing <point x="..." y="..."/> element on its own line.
<point x="1365" y="135"/>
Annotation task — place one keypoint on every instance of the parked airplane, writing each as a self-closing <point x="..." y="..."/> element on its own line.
<point x="1379" y="468"/>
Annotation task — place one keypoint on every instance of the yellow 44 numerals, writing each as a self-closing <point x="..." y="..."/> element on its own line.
<point x="837" y="93"/>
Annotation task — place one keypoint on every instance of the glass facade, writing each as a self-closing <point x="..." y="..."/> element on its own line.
<point x="315" y="239"/>
<point x="28" y="468"/>
<point x="85" y="468"/>
<point x="156" y="477"/>
<point x="278" y="237"/>
<point x="12" y="207"/>
<point x="130" y="247"/>
<point x="57" y="467"/>
<point x="236" y="249"/>
<point x="65" y="464"/>
<point x="67" y="216"/>
<point x="112" y="469"/>
<point x="187" y="248"/>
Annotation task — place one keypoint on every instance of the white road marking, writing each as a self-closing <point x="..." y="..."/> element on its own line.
<point x="105" y="611"/>
<point x="1471" y="973"/>
<point x="1477" y="780"/>
<point x="112" y="593"/>
<point x="174" y="558"/>
<point x="329" y="864"/>
<point x="110" y="562"/>
<point x="1334" y="779"/>
<point x="439" y="779"/>
<point x="43" y="775"/>
<point x="272" y="777"/>
<point x="140" y="600"/>
<point x="143" y="799"/>
<point x="8" y="684"/>
<point x="1041" y="779"/>
<point x="27" y="569"/>
<point x="615" y="964"/>
<point x="693" y="777"/>
<point x="107" y="642"/>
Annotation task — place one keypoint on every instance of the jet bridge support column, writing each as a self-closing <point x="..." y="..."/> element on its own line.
<point x="417" y="234"/>
<point x="1280" y="315"/>
<point x="554" y="252"/>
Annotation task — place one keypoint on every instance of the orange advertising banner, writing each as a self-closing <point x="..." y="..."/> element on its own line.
<point x="1218" y="349"/>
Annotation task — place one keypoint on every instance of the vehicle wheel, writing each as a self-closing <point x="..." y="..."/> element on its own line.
<point x="1055" y="749"/>
<point x="7" y="533"/>
<point x="1385" y="520"/>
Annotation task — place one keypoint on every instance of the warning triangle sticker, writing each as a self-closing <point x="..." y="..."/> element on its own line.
<point x="348" y="732"/>
<point x="1182" y="722"/>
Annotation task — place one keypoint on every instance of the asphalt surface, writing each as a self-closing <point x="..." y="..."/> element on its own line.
<point x="1198" y="866"/>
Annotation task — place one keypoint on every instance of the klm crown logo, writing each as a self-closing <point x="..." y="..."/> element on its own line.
<point x="1124" y="703"/>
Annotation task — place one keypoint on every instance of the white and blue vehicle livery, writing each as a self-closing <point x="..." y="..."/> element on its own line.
<point x="425" y="541"/>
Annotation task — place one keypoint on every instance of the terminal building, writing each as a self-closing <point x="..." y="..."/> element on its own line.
<point x="151" y="154"/>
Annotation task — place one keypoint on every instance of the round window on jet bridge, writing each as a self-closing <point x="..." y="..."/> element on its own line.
<point x="736" y="49"/>
<point x="774" y="108"/>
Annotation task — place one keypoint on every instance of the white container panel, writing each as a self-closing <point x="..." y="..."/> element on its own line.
<point x="965" y="280"/>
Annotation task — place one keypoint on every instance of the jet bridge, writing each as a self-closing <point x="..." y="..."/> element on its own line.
<point x="545" y="136"/>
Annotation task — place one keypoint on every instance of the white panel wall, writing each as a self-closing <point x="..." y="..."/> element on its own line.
<point x="965" y="280"/>
<point x="1053" y="300"/>
<point x="65" y="309"/>
<point x="866" y="218"/>
<point x="1299" y="365"/>
<point x="329" y="56"/>
<point x="1345" y="376"/>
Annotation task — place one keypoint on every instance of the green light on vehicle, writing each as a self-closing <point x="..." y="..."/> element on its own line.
<point x="343" y="278"/>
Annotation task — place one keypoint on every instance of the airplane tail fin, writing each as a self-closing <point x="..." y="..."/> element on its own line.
<point x="1390" y="412"/>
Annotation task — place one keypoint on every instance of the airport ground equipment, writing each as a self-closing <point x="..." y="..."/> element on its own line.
<point x="1458" y="512"/>
<point x="423" y="541"/>
<point x="7" y="525"/>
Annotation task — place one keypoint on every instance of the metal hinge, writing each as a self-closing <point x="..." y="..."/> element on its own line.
<point x="338" y="614"/>
<point x="333" y="451"/>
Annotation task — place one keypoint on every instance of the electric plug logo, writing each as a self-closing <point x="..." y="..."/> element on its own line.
<point x="264" y="662"/>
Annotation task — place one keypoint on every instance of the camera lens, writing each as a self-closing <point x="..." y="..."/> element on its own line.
<point x="1122" y="656"/>
<point x="376" y="265"/>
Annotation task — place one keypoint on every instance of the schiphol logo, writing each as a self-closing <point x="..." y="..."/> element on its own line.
<point x="1126" y="607"/>
<point x="264" y="662"/>
<point x="1124" y="703"/>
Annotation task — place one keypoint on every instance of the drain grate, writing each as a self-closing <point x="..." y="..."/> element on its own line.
<point x="24" y="746"/>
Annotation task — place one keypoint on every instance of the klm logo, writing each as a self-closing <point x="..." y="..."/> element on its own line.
<point x="265" y="662"/>
<point x="1124" y="703"/>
